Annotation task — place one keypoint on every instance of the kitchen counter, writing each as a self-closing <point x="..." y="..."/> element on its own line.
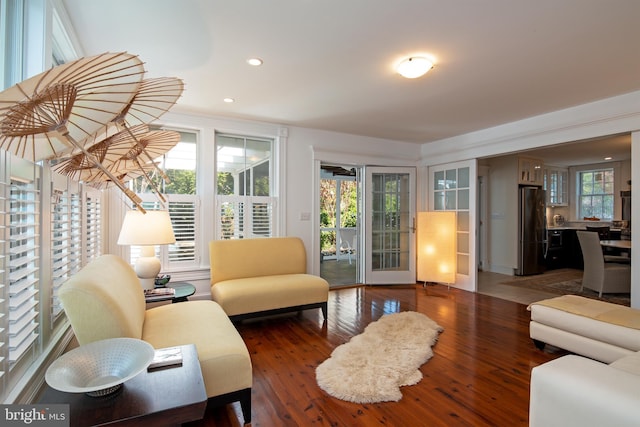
<point x="582" y="227"/>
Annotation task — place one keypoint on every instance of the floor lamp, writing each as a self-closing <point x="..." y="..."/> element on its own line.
<point x="147" y="230"/>
<point x="436" y="243"/>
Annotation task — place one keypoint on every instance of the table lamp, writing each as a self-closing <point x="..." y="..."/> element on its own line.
<point x="147" y="230"/>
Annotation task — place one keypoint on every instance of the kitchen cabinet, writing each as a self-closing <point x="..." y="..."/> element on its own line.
<point x="557" y="255"/>
<point x="556" y="182"/>
<point x="563" y="249"/>
<point x="530" y="171"/>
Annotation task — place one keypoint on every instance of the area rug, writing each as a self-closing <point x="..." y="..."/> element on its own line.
<point x="565" y="282"/>
<point x="372" y="366"/>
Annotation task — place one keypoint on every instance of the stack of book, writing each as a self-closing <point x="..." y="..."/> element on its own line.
<point x="158" y="294"/>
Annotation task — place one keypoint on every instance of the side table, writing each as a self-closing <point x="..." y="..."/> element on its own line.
<point x="183" y="291"/>
<point x="163" y="397"/>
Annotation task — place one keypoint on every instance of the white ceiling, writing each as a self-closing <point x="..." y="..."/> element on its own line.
<point x="328" y="64"/>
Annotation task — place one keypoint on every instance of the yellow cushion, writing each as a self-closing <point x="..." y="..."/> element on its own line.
<point x="224" y="359"/>
<point x="262" y="293"/>
<point x="104" y="300"/>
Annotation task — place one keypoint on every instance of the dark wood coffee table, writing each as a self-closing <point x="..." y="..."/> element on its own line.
<point x="163" y="397"/>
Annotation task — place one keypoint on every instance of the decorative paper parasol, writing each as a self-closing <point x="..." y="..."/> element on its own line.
<point x="104" y="148"/>
<point x="66" y="105"/>
<point x="42" y="117"/>
<point x="154" y="144"/>
<point x="124" y="177"/>
<point x="153" y="99"/>
<point x="119" y="155"/>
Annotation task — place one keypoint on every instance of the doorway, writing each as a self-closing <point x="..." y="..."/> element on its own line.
<point x="339" y="224"/>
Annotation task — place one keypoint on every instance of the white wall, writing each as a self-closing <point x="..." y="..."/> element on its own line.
<point x="503" y="214"/>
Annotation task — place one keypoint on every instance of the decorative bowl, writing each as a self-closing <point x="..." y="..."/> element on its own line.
<point x="99" y="368"/>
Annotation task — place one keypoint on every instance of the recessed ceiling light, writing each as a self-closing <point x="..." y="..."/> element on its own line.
<point x="414" y="67"/>
<point x="608" y="158"/>
<point x="229" y="100"/>
<point x="256" y="62"/>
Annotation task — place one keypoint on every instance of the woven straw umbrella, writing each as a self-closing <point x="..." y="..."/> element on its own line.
<point x="51" y="114"/>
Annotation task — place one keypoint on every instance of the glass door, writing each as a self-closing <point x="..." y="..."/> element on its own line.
<point x="390" y="225"/>
<point x="453" y="188"/>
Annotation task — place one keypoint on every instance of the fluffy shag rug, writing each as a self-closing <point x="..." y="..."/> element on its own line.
<point x="372" y="366"/>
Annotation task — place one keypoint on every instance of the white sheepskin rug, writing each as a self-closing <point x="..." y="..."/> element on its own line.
<point x="372" y="366"/>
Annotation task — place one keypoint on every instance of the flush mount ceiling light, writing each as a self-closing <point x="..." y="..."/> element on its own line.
<point x="256" y="62"/>
<point x="229" y="100"/>
<point x="414" y="67"/>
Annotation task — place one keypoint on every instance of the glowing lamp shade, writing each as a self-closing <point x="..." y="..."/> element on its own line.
<point x="436" y="243"/>
<point x="414" y="67"/>
<point x="147" y="230"/>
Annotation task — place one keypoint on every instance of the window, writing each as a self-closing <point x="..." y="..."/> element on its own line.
<point x="245" y="194"/>
<point x="595" y="194"/>
<point x="179" y="164"/>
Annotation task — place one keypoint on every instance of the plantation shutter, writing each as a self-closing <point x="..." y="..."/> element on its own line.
<point x="244" y="217"/>
<point x="92" y="226"/>
<point x="183" y="212"/>
<point x="24" y="267"/>
<point x="66" y="238"/>
<point x="4" y="278"/>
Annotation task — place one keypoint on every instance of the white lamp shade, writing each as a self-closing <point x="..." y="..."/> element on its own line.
<point x="151" y="228"/>
<point x="436" y="244"/>
<point x="147" y="230"/>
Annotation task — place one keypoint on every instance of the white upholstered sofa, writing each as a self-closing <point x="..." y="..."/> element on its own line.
<point x="600" y="384"/>
<point x="575" y="391"/>
<point x="260" y="276"/>
<point x="105" y="300"/>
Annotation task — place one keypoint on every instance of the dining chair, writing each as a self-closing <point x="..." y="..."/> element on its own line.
<point x="610" y="254"/>
<point x="600" y="276"/>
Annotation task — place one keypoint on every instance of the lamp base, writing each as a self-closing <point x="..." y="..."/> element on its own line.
<point x="147" y="283"/>
<point x="147" y="268"/>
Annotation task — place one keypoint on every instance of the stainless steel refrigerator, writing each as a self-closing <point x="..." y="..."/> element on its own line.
<point x="532" y="231"/>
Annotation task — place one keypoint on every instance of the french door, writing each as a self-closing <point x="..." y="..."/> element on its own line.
<point x="390" y="225"/>
<point x="453" y="188"/>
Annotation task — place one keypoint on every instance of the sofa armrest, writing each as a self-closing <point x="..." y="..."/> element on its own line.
<point x="576" y="391"/>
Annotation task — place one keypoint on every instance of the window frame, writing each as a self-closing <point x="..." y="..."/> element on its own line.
<point x="245" y="225"/>
<point x="580" y="214"/>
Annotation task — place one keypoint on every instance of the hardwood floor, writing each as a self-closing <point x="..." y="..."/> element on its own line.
<point x="479" y="374"/>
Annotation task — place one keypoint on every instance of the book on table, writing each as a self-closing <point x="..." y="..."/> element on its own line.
<point x="166" y="358"/>
<point x="158" y="293"/>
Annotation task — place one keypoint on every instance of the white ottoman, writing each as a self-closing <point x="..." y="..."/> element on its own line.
<point x="592" y="328"/>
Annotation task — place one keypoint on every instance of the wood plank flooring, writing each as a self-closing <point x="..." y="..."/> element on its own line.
<point x="479" y="374"/>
